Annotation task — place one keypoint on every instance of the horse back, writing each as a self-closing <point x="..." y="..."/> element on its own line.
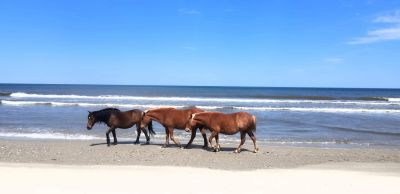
<point x="245" y="121"/>
<point x="126" y="118"/>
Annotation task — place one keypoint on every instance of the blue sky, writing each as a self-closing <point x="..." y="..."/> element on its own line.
<point x="344" y="43"/>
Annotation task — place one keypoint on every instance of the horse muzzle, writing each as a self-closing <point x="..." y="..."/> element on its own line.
<point x="88" y="127"/>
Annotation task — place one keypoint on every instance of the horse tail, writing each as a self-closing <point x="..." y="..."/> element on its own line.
<point x="254" y="119"/>
<point x="150" y="127"/>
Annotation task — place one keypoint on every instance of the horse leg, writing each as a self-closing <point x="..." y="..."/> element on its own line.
<point x="203" y="133"/>
<point x="138" y="131"/>
<point x="213" y="134"/>
<point x="191" y="138"/>
<point x="114" y="136"/>
<point x="253" y="137"/>
<point x="242" y="140"/>
<point x="147" y="135"/>
<point x="108" y="136"/>
<point x="217" y="141"/>
<point x="171" y="136"/>
<point x="166" y="138"/>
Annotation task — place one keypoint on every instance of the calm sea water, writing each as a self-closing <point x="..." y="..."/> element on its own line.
<point x="320" y="117"/>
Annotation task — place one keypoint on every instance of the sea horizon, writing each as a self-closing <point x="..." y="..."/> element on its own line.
<point x="228" y="86"/>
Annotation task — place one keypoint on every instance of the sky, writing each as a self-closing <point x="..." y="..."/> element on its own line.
<point x="316" y="43"/>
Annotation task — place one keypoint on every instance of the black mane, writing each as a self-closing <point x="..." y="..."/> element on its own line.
<point x="102" y="116"/>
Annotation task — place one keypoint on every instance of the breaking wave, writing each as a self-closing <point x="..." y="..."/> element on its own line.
<point x="250" y="108"/>
<point x="267" y="99"/>
<point x="47" y="135"/>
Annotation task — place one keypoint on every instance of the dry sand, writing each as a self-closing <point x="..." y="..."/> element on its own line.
<point x="43" y="179"/>
<point x="91" y="167"/>
<point x="125" y="153"/>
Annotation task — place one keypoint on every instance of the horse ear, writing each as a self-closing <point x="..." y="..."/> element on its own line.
<point x="89" y="112"/>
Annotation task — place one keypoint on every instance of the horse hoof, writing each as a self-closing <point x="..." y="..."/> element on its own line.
<point x="256" y="150"/>
<point x="108" y="145"/>
<point x="147" y="142"/>
<point x="237" y="151"/>
<point x="136" y="142"/>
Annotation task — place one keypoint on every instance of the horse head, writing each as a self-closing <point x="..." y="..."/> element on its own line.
<point x="91" y="121"/>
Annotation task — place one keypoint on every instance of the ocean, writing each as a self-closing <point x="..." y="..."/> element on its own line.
<point x="315" y="117"/>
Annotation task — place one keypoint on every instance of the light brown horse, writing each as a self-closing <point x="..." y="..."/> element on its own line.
<point x="114" y="118"/>
<point x="170" y="119"/>
<point x="228" y="124"/>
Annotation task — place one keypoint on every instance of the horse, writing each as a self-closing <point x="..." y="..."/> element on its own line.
<point x="170" y="119"/>
<point x="114" y="118"/>
<point x="228" y="124"/>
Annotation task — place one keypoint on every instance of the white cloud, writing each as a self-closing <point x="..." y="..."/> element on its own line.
<point x="391" y="32"/>
<point x="390" y="18"/>
<point x="189" y="12"/>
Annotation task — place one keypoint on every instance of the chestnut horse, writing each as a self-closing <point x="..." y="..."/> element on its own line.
<point x="228" y="124"/>
<point x="170" y="119"/>
<point x="114" y="118"/>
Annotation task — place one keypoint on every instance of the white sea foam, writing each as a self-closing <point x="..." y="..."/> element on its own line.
<point x="250" y="108"/>
<point x="391" y="101"/>
<point x="47" y="135"/>
<point x="83" y="104"/>
<point x="394" y="99"/>
<point x="328" y="110"/>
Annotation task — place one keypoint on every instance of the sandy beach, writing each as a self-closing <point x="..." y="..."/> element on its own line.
<point x="39" y="178"/>
<point x="47" y="166"/>
<point x="126" y="153"/>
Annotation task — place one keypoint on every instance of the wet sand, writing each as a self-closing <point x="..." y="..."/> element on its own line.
<point x="126" y="153"/>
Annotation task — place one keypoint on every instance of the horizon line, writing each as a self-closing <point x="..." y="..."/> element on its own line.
<point x="232" y="86"/>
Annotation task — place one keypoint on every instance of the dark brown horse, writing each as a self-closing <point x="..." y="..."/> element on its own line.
<point x="228" y="124"/>
<point x="114" y="118"/>
<point x="171" y="119"/>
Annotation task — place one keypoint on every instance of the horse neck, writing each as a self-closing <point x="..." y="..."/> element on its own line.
<point x="154" y="116"/>
<point x="201" y="118"/>
<point x="102" y="117"/>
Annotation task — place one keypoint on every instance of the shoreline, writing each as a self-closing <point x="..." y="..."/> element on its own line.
<point x="91" y="152"/>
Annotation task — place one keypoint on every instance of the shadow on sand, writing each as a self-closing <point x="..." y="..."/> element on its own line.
<point x="193" y="146"/>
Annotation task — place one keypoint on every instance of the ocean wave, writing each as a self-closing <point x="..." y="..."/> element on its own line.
<point x="365" y="131"/>
<point x="276" y="99"/>
<point x="322" y="143"/>
<point x="83" y="104"/>
<point x="47" y="135"/>
<point x="394" y="99"/>
<point x="327" y="110"/>
<point x="5" y="93"/>
<point x="249" y="108"/>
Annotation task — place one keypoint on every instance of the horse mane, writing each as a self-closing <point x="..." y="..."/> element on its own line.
<point x="102" y="116"/>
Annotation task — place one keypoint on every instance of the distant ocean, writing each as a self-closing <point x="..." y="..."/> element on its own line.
<point x="317" y="117"/>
